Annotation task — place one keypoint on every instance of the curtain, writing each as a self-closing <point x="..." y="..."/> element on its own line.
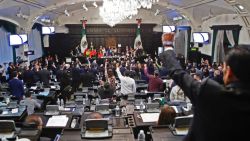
<point x="219" y="53"/>
<point x="6" y="51"/>
<point x="230" y="37"/>
<point x="35" y="44"/>
<point x="180" y="42"/>
<point x="187" y="44"/>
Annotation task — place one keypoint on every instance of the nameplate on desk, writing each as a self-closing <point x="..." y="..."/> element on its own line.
<point x="57" y="121"/>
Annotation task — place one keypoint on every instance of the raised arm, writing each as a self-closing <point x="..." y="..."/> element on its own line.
<point x="146" y="71"/>
<point x="118" y="71"/>
<point x="190" y="86"/>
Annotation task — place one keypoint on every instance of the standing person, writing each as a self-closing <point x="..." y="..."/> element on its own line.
<point x="220" y="112"/>
<point x="155" y="83"/>
<point x="16" y="86"/>
<point x="28" y="76"/>
<point x="44" y="76"/>
<point x="127" y="84"/>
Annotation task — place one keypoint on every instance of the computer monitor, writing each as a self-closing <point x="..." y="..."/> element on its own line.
<point x="18" y="39"/>
<point x="201" y="37"/>
<point x="48" y="30"/>
<point x="168" y="29"/>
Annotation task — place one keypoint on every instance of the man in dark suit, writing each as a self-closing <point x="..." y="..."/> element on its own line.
<point x="221" y="113"/>
<point x="16" y="86"/>
<point x="44" y="76"/>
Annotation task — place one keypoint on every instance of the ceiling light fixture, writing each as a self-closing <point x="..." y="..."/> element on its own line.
<point x="21" y="15"/>
<point x="95" y="5"/>
<point x="66" y="12"/>
<point x="115" y="11"/>
<point x="84" y="7"/>
<point x="241" y="7"/>
<point x="157" y="12"/>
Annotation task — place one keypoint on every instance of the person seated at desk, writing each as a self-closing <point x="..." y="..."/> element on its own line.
<point x="177" y="94"/>
<point x="167" y="116"/>
<point x="30" y="103"/>
<point x="34" y="119"/>
<point x="95" y="115"/>
<point x="37" y="120"/>
<point x="16" y="86"/>
<point x="105" y="91"/>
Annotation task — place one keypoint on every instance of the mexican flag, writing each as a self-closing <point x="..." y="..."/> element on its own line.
<point x="138" y="43"/>
<point x="84" y="43"/>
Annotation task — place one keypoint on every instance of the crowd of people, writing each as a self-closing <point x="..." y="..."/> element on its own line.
<point x="219" y="92"/>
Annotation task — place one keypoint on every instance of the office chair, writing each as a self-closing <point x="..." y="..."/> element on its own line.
<point x="7" y="129"/>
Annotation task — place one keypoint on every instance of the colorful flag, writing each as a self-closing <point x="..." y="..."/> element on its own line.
<point x="84" y="43"/>
<point x="138" y="43"/>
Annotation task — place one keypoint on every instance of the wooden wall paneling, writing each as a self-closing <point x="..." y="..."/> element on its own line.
<point x="125" y="34"/>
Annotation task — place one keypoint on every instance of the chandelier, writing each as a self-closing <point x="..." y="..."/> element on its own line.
<point x="115" y="11"/>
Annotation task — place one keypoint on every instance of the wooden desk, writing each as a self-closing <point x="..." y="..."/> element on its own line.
<point x="164" y="134"/>
<point x="118" y="135"/>
<point x="51" y="132"/>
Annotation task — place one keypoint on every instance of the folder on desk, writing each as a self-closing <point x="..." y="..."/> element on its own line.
<point x="181" y="125"/>
<point x="97" y="128"/>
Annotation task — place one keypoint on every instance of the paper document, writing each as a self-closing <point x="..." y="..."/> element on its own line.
<point x="150" y="117"/>
<point x="97" y="133"/>
<point x="58" y="121"/>
<point x="33" y="87"/>
<point x="45" y="93"/>
<point x="13" y="111"/>
<point x="52" y="87"/>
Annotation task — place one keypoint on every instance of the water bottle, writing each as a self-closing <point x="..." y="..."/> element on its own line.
<point x="83" y="101"/>
<point x="149" y="100"/>
<point x="117" y="111"/>
<point x="86" y="97"/>
<point x="62" y="103"/>
<point x="141" y="136"/>
<point x="124" y="111"/>
<point x="141" y="106"/>
<point x="97" y="101"/>
<point x="58" y="102"/>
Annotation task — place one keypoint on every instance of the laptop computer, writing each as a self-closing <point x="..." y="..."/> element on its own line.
<point x="102" y="108"/>
<point x="153" y="107"/>
<point x="52" y="110"/>
<point x="181" y="125"/>
<point x="96" y="129"/>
